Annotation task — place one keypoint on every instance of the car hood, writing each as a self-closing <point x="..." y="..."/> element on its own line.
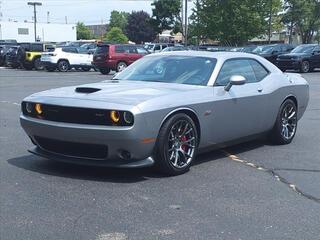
<point x="129" y="93"/>
<point x="293" y="55"/>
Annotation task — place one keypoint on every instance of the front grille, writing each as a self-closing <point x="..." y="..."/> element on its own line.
<point x="73" y="149"/>
<point x="71" y="115"/>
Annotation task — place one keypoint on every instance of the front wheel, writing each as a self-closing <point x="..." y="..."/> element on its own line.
<point x="285" y="127"/>
<point x="176" y="145"/>
<point x="63" y="66"/>
<point x="305" y="67"/>
<point x="38" y="64"/>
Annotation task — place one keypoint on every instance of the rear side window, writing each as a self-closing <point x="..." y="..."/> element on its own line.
<point x="120" y="49"/>
<point x="70" y="50"/>
<point x="36" y="48"/>
<point x="259" y="71"/>
<point x="102" y="50"/>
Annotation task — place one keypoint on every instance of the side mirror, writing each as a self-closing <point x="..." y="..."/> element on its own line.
<point x="235" y="80"/>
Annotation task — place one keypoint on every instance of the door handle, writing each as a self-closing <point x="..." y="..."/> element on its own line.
<point x="260" y="89"/>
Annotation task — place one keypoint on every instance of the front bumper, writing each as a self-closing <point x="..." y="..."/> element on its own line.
<point x="116" y="140"/>
<point x="288" y="64"/>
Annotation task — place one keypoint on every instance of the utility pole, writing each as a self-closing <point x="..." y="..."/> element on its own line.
<point x="186" y="24"/>
<point x="270" y="21"/>
<point x="35" y="4"/>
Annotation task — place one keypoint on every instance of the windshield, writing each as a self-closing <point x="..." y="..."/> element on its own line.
<point x="263" y="49"/>
<point x="303" y="49"/>
<point x="170" y="69"/>
<point x="149" y="46"/>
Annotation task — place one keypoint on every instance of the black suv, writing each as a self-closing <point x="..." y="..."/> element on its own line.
<point x="271" y="52"/>
<point x="304" y="58"/>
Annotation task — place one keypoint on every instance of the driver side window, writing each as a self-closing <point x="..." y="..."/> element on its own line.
<point x="235" y="67"/>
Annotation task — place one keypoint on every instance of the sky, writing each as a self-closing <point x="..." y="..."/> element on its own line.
<point x="87" y="11"/>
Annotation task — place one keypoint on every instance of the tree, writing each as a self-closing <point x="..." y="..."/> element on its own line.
<point x="302" y="16"/>
<point x="166" y="15"/>
<point x="83" y="32"/>
<point x="140" y="28"/>
<point x="115" y="35"/>
<point x="231" y="22"/>
<point x="118" y="19"/>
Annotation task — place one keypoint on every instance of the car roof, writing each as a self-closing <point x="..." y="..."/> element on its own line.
<point x="218" y="54"/>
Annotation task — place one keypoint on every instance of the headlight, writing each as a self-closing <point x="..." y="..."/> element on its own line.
<point x="121" y="118"/>
<point x="29" y="107"/>
<point x="128" y="117"/>
<point x="115" y="116"/>
<point x="38" y="108"/>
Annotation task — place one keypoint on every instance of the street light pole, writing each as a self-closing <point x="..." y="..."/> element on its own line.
<point x="186" y="24"/>
<point x="35" y="4"/>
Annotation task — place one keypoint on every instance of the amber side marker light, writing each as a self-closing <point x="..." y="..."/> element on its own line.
<point x="115" y="116"/>
<point x="38" y="108"/>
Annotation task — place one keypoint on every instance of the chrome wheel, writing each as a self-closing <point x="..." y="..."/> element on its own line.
<point x="63" y="66"/>
<point x="305" y="66"/>
<point x="181" y="144"/>
<point x="121" y="66"/>
<point x="289" y="121"/>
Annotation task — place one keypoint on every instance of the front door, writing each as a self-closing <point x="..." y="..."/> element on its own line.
<point x="239" y="112"/>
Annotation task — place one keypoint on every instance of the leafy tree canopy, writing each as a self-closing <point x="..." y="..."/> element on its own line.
<point x="119" y="19"/>
<point x="166" y="14"/>
<point x="304" y="16"/>
<point x="115" y="35"/>
<point x="231" y="21"/>
<point x="140" y="28"/>
<point x="83" y="32"/>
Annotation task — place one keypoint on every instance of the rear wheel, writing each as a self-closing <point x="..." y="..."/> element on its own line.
<point x="285" y="127"/>
<point x="305" y="67"/>
<point x="104" y="71"/>
<point x="86" y="69"/>
<point x="121" y="66"/>
<point x="63" y="66"/>
<point x="176" y="145"/>
<point x="38" y="64"/>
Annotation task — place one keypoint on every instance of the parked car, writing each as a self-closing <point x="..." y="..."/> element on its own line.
<point x="175" y="48"/>
<point x="246" y="49"/>
<point x="304" y="58"/>
<point x="271" y="52"/>
<point x="14" y="56"/>
<point x="116" y="57"/>
<point x="164" y="109"/>
<point x="33" y="53"/>
<point x="157" y="47"/>
<point x="88" y="48"/>
<point x="3" y="53"/>
<point x="65" y="58"/>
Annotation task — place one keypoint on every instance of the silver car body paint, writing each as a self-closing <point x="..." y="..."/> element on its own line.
<point x="223" y="116"/>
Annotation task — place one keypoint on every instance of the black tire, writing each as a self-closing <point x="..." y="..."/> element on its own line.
<point x="28" y="67"/>
<point x="104" y="71"/>
<point x="121" y="66"/>
<point x="38" y="64"/>
<point x="50" y="69"/>
<point x="305" y="67"/>
<point x="278" y="133"/>
<point x="63" y="66"/>
<point x="166" y="138"/>
<point x="86" y="69"/>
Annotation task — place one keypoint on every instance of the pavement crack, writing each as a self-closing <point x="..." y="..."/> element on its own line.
<point x="12" y="103"/>
<point x="296" y="170"/>
<point x="273" y="173"/>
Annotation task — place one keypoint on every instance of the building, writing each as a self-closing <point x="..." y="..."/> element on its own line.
<point x="98" y="30"/>
<point x="46" y="32"/>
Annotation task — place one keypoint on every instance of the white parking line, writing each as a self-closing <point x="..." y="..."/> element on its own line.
<point x="13" y="103"/>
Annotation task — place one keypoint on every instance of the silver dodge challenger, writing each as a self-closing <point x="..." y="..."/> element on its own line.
<point x="164" y="109"/>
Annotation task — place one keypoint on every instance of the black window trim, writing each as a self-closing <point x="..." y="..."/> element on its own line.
<point x="241" y="58"/>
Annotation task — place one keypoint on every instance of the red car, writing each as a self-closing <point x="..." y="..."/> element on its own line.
<point x="116" y="57"/>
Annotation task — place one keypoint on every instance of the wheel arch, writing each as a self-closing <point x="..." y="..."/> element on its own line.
<point x="63" y="59"/>
<point x="188" y="111"/>
<point x="293" y="98"/>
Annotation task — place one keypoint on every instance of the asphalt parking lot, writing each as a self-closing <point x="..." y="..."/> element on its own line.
<point x="249" y="191"/>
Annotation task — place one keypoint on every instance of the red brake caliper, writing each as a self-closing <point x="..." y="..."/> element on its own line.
<point x="183" y="139"/>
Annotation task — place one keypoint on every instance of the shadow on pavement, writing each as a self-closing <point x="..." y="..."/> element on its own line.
<point x="105" y="174"/>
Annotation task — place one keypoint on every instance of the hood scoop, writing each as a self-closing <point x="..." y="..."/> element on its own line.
<point x="86" y="90"/>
